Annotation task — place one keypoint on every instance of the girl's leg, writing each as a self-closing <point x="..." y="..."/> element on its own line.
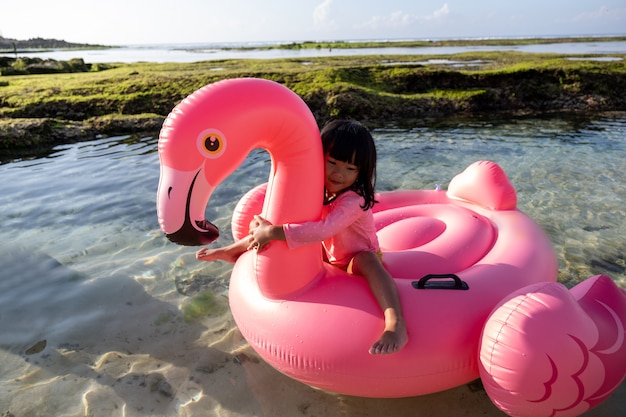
<point x="228" y="253"/>
<point x="394" y="337"/>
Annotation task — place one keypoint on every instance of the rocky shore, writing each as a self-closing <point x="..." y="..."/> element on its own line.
<point x="378" y="95"/>
<point x="32" y="136"/>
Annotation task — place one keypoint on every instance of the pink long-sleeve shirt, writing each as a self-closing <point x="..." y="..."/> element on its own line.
<point x="345" y="229"/>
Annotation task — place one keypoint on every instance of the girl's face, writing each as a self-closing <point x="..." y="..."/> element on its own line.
<point x="339" y="175"/>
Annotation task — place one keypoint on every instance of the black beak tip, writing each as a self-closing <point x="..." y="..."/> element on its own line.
<point x="205" y="233"/>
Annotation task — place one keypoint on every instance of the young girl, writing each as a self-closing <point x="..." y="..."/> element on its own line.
<point x="346" y="228"/>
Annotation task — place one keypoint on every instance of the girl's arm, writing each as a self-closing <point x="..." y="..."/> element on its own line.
<point x="345" y="211"/>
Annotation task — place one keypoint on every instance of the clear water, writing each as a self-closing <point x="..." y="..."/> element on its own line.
<point x="84" y="266"/>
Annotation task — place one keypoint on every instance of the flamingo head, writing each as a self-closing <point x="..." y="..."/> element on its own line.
<point x="200" y="144"/>
<point x="210" y="133"/>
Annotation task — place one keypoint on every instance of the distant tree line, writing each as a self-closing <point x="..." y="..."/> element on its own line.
<point x="15" y="65"/>
<point x="11" y="45"/>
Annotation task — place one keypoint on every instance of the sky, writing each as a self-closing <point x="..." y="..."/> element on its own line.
<point x="136" y="22"/>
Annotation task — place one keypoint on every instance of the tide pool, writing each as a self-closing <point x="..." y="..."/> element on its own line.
<point x="95" y="302"/>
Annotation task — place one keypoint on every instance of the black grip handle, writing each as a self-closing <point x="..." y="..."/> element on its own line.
<point x="425" y="282"/>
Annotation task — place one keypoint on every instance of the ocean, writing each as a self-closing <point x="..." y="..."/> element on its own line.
<point x="195" y="52"/>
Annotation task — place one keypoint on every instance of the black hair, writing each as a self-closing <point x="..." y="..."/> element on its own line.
<point x="351" y="142"/>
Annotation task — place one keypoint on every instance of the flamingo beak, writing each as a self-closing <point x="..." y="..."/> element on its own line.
<point x="181" y="201"/>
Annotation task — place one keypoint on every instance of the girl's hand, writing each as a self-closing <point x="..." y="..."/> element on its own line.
<point x="260" y="233"/>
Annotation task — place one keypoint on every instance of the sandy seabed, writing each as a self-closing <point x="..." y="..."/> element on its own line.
<point x="128" y="353"/>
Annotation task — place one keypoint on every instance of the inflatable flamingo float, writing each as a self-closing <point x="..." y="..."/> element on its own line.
<point x="547" y="351"/>
<point x="454" y="255"/>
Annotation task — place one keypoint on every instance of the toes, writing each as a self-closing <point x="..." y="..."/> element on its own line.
<point x="381" y="348"/>
<point x="376" y="349"/>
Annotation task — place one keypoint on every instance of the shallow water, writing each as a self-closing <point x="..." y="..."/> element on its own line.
<point x="217" y="51"/>
<point x="84" y="267"/>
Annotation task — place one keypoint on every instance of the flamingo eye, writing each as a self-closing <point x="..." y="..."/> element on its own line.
<point x="211" y="143"/>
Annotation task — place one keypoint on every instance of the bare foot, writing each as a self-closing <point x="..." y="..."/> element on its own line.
<point x="228" y="253"/>
<point x="393" y="339"/>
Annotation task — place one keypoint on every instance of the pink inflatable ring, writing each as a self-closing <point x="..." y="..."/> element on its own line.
<point x="454" y="254"/>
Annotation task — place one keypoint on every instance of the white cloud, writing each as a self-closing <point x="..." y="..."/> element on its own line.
<point x="601" y="13"/>
<point x="401" y="19"/>
<point x="441" y="13"/>
<point x="321" y="12"/>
